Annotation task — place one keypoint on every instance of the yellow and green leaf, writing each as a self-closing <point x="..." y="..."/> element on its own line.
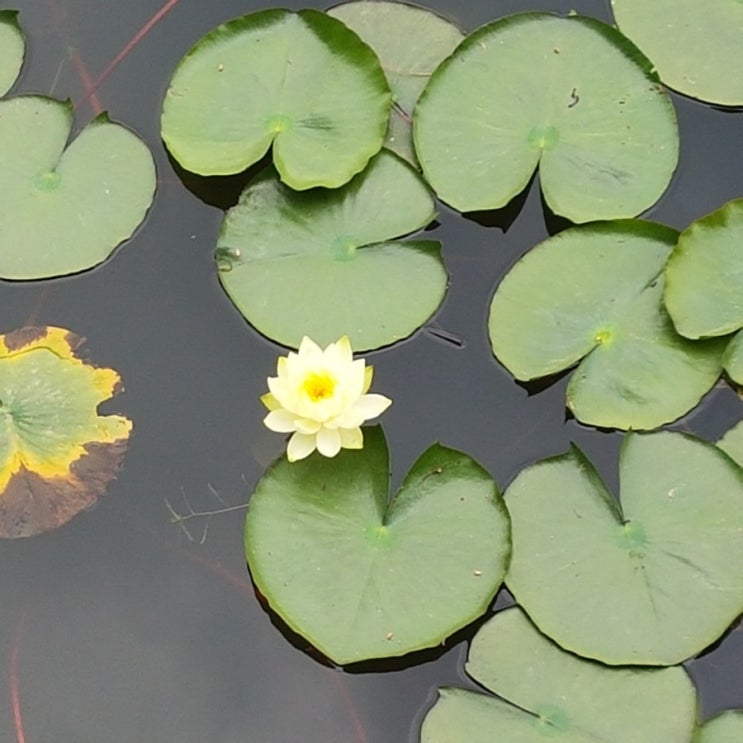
<point x="57" y="454"/>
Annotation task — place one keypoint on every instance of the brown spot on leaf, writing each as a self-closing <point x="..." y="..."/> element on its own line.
<point x="32" y="504"/>
<point x="23" y="337"/>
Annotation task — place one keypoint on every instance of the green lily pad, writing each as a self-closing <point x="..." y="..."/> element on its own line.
<point x="550" y="694"/>
<point x="320" y="263"/>
<point x="361" y="576"/>
<point x="652" y="581"/>
<point x="704" y="275"/>
<point x="65" y="210"/>
<point x="696" y="47"/>
<point x="595" y="293"/>
<point x="732" y="443"/>
<point x="410" y="42"/>
<point x="732" y="359"/>
<point x="520" y="92"/>
<point x="12" y="49"/>
<point x="300" y="81"/>
<point x="727" y="727"/>
<point x="57" y="455"/>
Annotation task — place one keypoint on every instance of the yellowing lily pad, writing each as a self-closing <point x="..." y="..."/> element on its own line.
<point x="65" y="209"/>
<point x="12" y="49"/>
<point x="57" y="455"/>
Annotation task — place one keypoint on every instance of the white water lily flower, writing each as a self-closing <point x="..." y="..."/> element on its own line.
<point x="321" y="397"/>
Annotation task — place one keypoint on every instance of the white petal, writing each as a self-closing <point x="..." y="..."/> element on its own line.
<point x="352" y="438"/>
<point x="368" y="374"/>
<point x="301" y="445"/>
<point x="309" y="350"/>
<point x="305" y="425"/>
<point x="328" y="442"/>
<point x="370" y="406"/>
<point x="270" y="401"/>
<point x="281" y="366"/>
<point x="281" y="421"/>
<point x="280" y="391"/>
<point x="355" y="379"/>
<point x="339" y="354"/>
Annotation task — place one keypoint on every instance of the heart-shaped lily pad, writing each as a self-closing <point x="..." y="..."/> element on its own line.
<point x="595" y="293"/>
<point x="704" y="280"/>
<point x="302" y="81"/>
<point x="727" y="727"/>
<point x="12" y="49"/>
<point x="732" y="443"/>
<point x="652" y="581"/>
<point x="696" y="47"/>
<point x="704" y="275"/>
<point x="65" y="210"/>
<point x="521" y="92"/>
<point x="319" y="263"/>
<point x="410" y="42"/>
<point x="363" y="577"/>
<point x="551" y="694"/>
<point x="57" y="455"/>
<point x="732" y="359"/>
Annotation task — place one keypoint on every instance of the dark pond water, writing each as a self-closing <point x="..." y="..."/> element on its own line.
<point x="117" y="627"/>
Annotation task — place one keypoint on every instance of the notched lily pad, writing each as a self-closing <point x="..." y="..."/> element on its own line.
<point x="65" y="210"/>
<point x="410" y="42"/>
<point x="300" y="81"/>
<point x="732" y="443"/>
<point x="57" y="455"/>
<point x="696" y="47"/>
<point x="727" y="727"/>
<point x="652" y="581"/>
<point x="12" y="49"/>
<point x="361" y="576"/>
<point x="595" y="293"/>
<point x="322" y="263"/>
<point x="520" y="92"/>
<point x="547" y="693"/>
<point x="704" y="281"/>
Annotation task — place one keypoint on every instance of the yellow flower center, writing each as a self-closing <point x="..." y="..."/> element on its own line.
<point x="318" y="386"/>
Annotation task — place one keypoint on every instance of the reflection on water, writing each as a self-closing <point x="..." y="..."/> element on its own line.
<point x="117" y="627"/>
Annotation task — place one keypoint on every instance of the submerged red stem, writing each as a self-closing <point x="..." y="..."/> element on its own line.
<point x="15" y="697"/>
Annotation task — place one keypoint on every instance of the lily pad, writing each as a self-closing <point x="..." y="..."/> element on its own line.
<point x="732" y="359"/>
<point x="361" y="576"/>
<point x="12" y="49"/>
<point x="732" y="443"/>
<point x="57" y="455"/>
<point x="652" y="581"/>
<point x="727" y="727"/>
<point x="520" y="92"/>
<point x="595" y="293"/>
<point x="550" y="694"/>
<point x="65" y="210"/>
<point x="696" y="47"/>
<point x="704" y="275"/>
<point x="410" y="42"/>
<point x="320" y="263"/>
<point x="300" y="81"/>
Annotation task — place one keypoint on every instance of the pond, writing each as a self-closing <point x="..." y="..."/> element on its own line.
<point x="138" y="620"/>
